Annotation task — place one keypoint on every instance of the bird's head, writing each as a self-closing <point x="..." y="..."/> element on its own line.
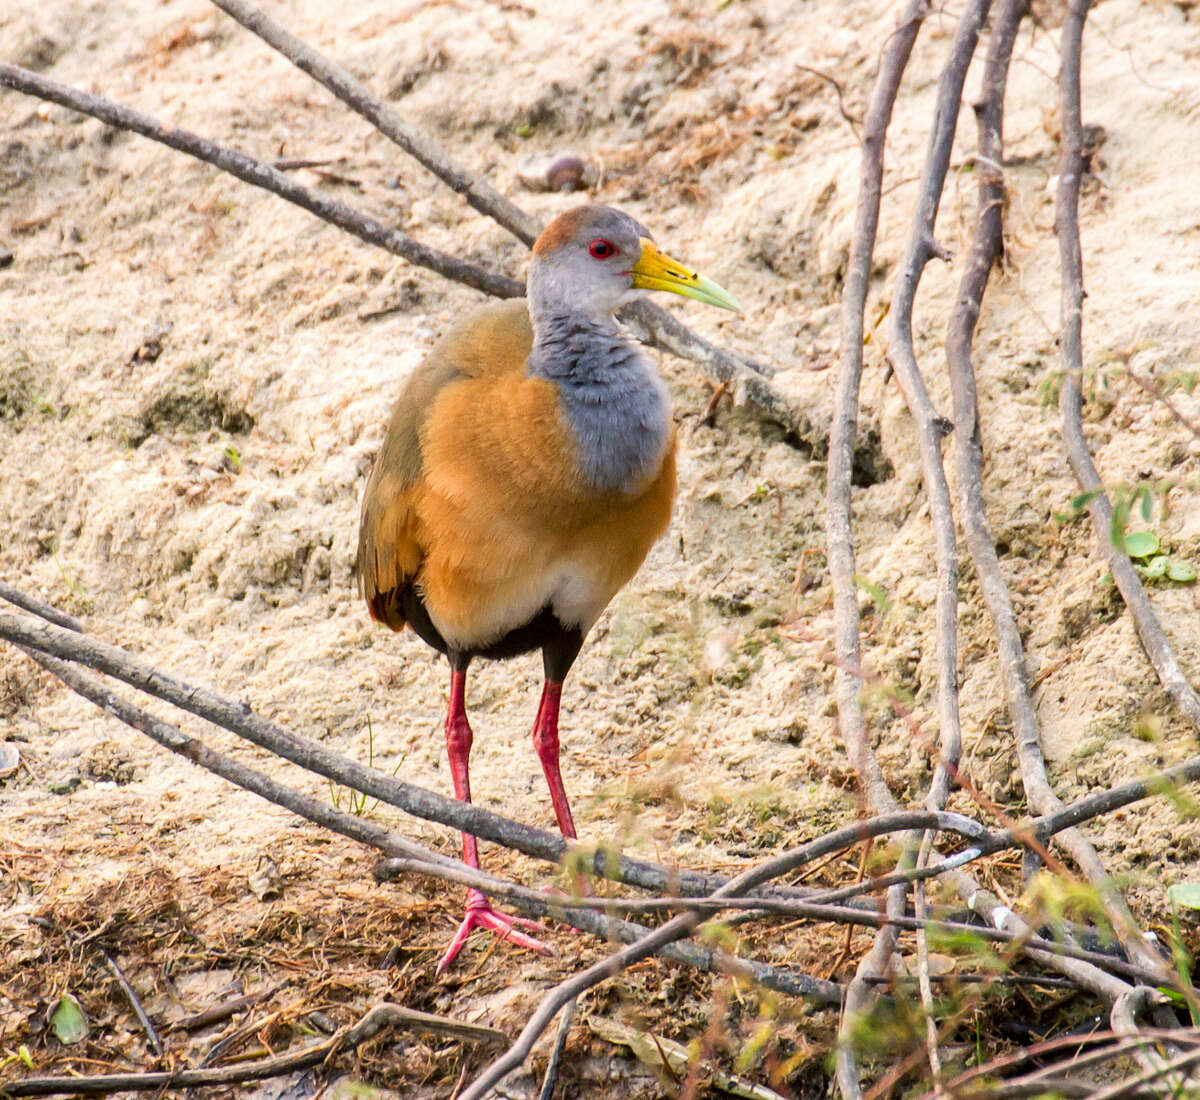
<point x="594" y="259"/>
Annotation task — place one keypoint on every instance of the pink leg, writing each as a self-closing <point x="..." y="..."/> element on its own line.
<point x="480" y="913"/>
<point x="545" y="741"/>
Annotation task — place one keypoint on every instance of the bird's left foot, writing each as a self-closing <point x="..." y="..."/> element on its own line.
<point x="480" y="914"/>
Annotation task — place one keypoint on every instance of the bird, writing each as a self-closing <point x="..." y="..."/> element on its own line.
<point x="527" y="470"/>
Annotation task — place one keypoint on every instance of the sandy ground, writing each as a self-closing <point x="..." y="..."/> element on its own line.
<point x="195" y="377"/>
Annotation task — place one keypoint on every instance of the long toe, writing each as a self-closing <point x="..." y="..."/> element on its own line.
<point x="480" y="914"/>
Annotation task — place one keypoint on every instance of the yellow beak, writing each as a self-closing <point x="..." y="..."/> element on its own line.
<point x="657" y="271"/>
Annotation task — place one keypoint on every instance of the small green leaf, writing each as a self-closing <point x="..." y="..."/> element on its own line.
<point x="1084" y="499"/>
<point x="1154" y="568"/>
<point x="1181" y="571"/>
<point x="1186" y="895"/>
<point x="878" y="595"/>
<point x="68" y="1021"/>
<point x="1141" y="544"/>
<point x="1147" y="503"/>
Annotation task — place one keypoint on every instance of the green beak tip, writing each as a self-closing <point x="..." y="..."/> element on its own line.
<point x="713" y="294"/>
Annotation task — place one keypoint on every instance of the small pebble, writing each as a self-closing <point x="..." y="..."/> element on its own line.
<point x="10" y="759"/>
<point x="566" y="174"/>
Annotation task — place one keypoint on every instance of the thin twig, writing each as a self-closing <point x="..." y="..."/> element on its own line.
<point x="39" y="607"/>
<point x="986" y="248"/>
<point x="844" y="427"/>
<point x="1154" y="1073"/>
<point x="170" y="737"/>
<point x="1156" y="391"/>
<point x="847" y="117"/>
<point x="1116" y="1046"/>
<point x="871" y="967"/>
<point x="675" y="929"/>
<point x="380" y="1018"/>
<point x="1153" y="639"/>
<point x="920" y="249"/>
<point x="926" y="987"/>
<point x="214" y="1014"/>
<point x="337" y="80"/>
<point x="839" y="474"/>
<point x="135" y="1003"/>
<point x="260" y="174"/>
<point x="1123" y="1017"/>
<point x="575" y="911"/>
<point x="560" y="1041"/>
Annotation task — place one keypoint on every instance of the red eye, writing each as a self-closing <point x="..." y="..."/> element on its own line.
<point x="601" y="249"/>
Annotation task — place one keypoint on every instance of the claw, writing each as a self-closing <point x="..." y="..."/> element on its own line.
<point x="480" y="914"/>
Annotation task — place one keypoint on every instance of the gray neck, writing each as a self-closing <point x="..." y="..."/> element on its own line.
<point x="613" y="398"/>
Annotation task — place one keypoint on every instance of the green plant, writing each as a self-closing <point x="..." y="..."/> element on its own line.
<point x="21" y="1054"/>
<point x="1184" y="895"/>
<point x="357" y="801"/>
<point x="1143" y="547"/>
<point x="71" y="580"/>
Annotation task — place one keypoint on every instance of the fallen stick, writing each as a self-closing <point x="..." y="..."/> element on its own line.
<point x="381" y="1018"/>
<point x="1154" y="640"/>
<point x="260" y="174"/>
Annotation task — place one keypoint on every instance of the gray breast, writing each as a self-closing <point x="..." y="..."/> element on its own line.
<point x="616" y="404"/>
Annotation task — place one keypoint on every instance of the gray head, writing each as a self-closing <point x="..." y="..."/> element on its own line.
<point x="593" y="260"/>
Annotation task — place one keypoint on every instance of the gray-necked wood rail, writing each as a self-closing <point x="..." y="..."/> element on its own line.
<point x="528" y="468"/>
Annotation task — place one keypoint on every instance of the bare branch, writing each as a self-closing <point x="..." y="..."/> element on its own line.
<point x="1151" y="634"/>
<point x="649" y="876"/>
<point x="649" y="322"/>
<point x="38" y="607"/>
<point x="1116" y="1046"/>
<point x="477" y="192"/>
<point x="986" y="248"/>
<point x="412" y="799"/>
<point x="170" y="737"/>
<point x="839" y="534"/>
<point x="148" y="1029"/>
<point x="260" y="174"/>
<point x="871" y="967"/>
<point x="1154" y="640"/>
<point x="1156" y="391"/>
<point x="675" y="929"/>
<point x="902" y="355"/>
<point x="382" y="1017"/>
<point x="921" y="246"/>
<point x="560" y="1041"/>
<point x="1123" y="1017"/>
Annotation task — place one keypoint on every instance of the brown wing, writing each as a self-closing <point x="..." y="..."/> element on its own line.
<point x="392" y="541"/>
